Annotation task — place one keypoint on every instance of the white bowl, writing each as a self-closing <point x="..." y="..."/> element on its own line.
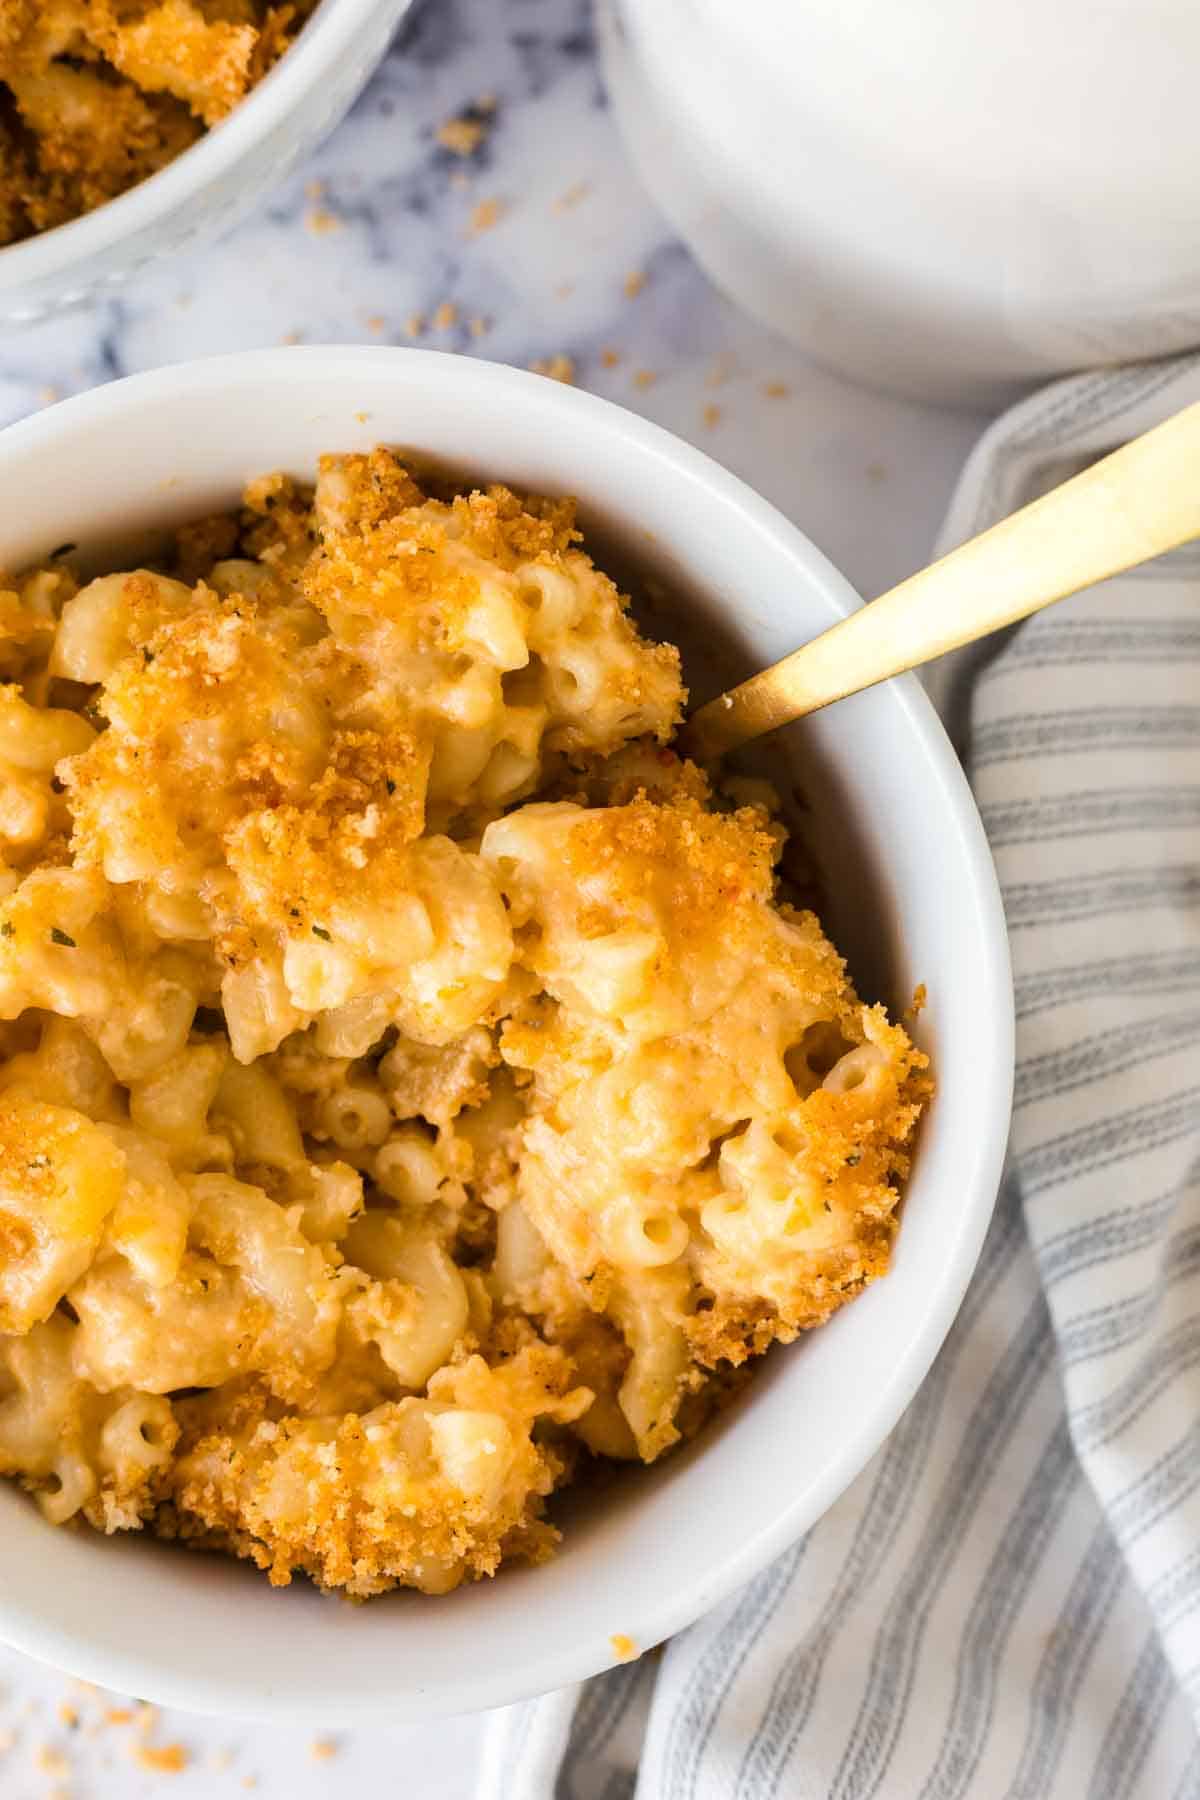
<point x="932" y="197"/>
<point x="913" y="898"/>
<point x="214" y="183"/>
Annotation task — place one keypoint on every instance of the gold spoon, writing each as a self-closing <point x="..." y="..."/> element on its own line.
<point x="1137" y="503"/>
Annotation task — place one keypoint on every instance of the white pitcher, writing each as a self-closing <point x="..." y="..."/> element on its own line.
<point x="948" y="197"/>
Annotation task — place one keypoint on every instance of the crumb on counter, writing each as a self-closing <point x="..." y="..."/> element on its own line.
<point x="446" y="316"/>
<point x="376" y="324"/>
<point x="570" y="197"/>
<point x="711" y="416"/>
<point x="623" y="1647"/>
<point x="322" y="1749"/>
<point x="610" y="358"/>
<point x="557" y="367"/>
<point x="414" y="325"/>
<point x="321" y="221"/>
<point x="644" y="378"/>
<point x="478" y="327"/>
<point x="486" y="215"/>
<point x="462" y="136"/>
<point x="634" y="282"/>
<point x="776" y="390"/>
<point x="160" y="1759"/>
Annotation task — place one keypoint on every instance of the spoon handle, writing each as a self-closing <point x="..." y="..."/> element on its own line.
<point x="1137" y="503"/>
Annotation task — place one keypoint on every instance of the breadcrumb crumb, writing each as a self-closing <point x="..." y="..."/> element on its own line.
<point x="461" y="136"/>
<point x="644" y="378"/>
<point x="634" y="282"/>
<point x="160" y="1759"/>
<point x="711" y="416"/>
<point x="486" y="215"/>
<point x="322" y="1749"/>
<point x="446" y="316"/>
<point x="558" y="367"/>
<point x="578" y="190"/>
<point x="776" y="390"/>
<point x="623" y="1647"/>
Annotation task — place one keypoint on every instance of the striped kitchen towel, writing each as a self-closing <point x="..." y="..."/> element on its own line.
<point x="1006" y="1604"/>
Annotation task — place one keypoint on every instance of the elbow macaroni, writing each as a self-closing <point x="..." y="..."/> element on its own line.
<point x="372" y="1133"/>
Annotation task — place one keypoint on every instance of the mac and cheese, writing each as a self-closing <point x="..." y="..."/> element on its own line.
<point x="98" y="94"/>
<point x="376" y="1137"/>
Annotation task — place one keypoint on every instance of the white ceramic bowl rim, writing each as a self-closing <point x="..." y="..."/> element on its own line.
<point x="514" y="395"/>
<point x="329" y="34"/>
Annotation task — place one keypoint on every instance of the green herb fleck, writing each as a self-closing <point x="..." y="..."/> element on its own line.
<point x="60" y="937"/>
<point x="320" y="931"/>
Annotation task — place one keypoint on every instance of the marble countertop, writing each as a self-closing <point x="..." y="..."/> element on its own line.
<point x="538" y="245"/>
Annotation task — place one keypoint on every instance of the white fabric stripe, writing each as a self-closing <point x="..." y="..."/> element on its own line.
<point x="1007" y="1602"/>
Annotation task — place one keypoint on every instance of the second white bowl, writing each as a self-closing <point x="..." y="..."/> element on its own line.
<point x="214" y="183"/>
